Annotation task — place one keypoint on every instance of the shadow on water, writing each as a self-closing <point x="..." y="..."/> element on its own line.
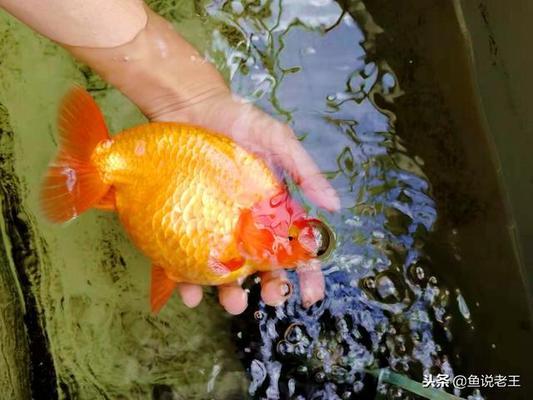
<point x="423" y="280"/>
<point x="472" y="246"/>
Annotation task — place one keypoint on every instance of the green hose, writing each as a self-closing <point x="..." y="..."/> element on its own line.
<point x="385" y="375"/>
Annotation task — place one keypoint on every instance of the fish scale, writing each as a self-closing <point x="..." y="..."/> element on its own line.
<point x="168" y="201"/>
<point x="197" y="204"/>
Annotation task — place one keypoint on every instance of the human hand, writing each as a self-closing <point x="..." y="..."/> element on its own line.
<point x="169" y="81"/>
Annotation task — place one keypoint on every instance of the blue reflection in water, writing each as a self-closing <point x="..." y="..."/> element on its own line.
<point x="306" y="64"/>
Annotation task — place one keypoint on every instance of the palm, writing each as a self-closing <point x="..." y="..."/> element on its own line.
<point x="276" y="143"/>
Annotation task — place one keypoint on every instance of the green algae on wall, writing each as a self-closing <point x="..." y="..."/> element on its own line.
<point x="88" y="284"/>
<point x="14" y="360"/>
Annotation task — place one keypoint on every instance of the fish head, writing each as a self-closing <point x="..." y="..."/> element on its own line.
<point x="277" y="233"/>
<point x="307" y="238"/>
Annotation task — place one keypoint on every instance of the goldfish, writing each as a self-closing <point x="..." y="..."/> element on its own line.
<point x="201" y="207"/>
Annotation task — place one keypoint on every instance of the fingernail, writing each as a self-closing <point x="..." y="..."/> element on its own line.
<point x="335" y="202"/>
<point x="285" y="288"/>
<point x="309" y="303"/>
<point x="330" y="191"/>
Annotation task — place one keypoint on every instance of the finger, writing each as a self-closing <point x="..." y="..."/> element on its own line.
<point x="233" y="298"/>
<point x="191" y="295"/>
<point x="275" y="287"/>
<point x="292" y="156"/>
<point x="312" y="285"/>
<point x="258" y="132"/>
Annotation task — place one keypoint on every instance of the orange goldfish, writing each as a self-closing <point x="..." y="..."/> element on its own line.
<point x="202" y="208"/>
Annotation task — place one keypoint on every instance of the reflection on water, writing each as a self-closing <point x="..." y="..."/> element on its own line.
<point x="306" y="63"/>
<point x="384" y="307"/>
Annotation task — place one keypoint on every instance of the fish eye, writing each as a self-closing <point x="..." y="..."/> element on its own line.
<point x="291" y="238"/>
<point x="325" y="238"/>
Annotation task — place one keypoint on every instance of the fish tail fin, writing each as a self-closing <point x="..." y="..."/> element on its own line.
<point x="73" y="183"/>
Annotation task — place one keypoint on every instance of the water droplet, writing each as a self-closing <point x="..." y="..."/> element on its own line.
<point x="140" y="147"/>
<point x="369" y="69"/>
<point x="321" y="354"/>
<point x="418" y="273"/>
<point x="302" y="369"/>
<point x="463" y="307"/>
<point x="339" y="374"/>
<point x="295" y="333"/>
<point x="284" y="347"/>
<point x="390" y="287"/>
<point x="71" y="180"/>
<point x="388" y="80"/>
<point x="258" y="373"/>
<point x="358" y="386"/>
<point x="237" y="7"/>
<point x="300" y="350"/>
<point x="400" y="345"/>
<point x="320" y="376"/>
<point x="369" y="283"/>
<point x="292" y="386"/>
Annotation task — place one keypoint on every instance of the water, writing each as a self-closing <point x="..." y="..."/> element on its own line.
<point x="401" y="291"/>
<point x="383" y="303"/>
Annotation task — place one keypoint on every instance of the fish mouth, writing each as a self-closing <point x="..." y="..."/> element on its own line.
<point x="323" y="239"/>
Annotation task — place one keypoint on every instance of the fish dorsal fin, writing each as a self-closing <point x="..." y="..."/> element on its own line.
<point x="161" y="288"/>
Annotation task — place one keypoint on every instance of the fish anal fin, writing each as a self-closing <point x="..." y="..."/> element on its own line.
<point x="162" y="288"/>
<point x="107" y="203"/>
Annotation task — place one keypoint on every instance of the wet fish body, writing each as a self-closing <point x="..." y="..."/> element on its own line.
<point x="179" y="191"/>
<point x="202" y="208"/>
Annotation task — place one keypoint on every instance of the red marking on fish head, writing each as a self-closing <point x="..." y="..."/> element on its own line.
<point x="277" y="233"/>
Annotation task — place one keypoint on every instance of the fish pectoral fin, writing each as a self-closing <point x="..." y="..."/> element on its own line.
<point x="161" y="288"/>
<point x="225" y="267"/>
<point x="255" y="241"/>
<point x="107" y="203"/>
